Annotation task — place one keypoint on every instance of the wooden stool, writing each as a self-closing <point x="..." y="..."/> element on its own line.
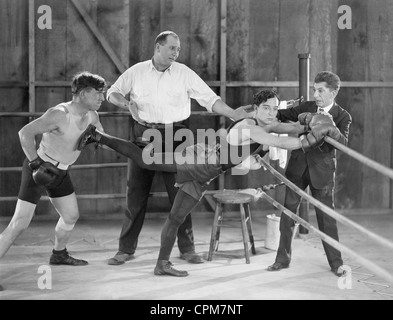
<point x="233" y="197"/>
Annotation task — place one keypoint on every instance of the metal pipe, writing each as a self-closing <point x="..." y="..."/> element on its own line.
<point x="304" y="91"/>
<point x="304" y="75"/>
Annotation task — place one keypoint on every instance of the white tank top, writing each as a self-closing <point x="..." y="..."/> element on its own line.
<point x="62" y="148"/>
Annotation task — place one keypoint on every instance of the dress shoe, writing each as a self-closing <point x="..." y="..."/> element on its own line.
<point x="88" y="136"/>
<point x="191" y="257"/>
<point x="277" y="266"/>
<point x="63" y="258"/>
<point x="164" y="268"/>
<point x="339" y="272"/>
<point x="120" y="258"/>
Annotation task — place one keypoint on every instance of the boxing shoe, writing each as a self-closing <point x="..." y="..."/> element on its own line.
<point x="120" y="258"/>
<point x="191" y="257"/>
<point x="88" y="136"/>
<point x="165" y="268"/>
<point x="63" y="258"/>
<point x="277" y="266"/>
<point x="339" y="272"/>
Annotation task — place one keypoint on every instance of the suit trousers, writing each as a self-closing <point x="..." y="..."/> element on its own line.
<point x="139" y="182"/>
<point x="326" y="224"/>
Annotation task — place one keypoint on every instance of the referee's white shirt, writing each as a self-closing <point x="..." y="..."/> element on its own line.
<point x="164" y="97"/>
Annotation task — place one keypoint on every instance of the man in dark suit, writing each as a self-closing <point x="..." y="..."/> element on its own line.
<point x="315" y="169"/>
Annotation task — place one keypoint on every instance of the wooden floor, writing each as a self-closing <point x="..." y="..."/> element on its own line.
<point x="227" y="277"/>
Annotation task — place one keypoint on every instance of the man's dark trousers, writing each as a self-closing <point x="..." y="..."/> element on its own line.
<point x="326" y="223"/>
<point x="139" y="182"/>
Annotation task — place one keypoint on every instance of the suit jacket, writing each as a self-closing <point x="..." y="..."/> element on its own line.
<point x="320" y="161"/>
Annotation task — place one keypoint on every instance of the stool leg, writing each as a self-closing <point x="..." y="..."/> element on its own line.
<point x="220" y="219"/>
<point x="215" y="230"/>
<point x="244" y="231"/>
<point x="249" y="227"/>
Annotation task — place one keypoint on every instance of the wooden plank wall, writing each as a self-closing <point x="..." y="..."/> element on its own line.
<point x="68" y="48"/>
<point x="264" y="39"/>
<point x="13" y="68"/>
<point x="367" y="47"/>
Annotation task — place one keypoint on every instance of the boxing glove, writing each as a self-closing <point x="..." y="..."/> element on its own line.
<point x="321" y="118"/>
<point x="309" y="119"/>
<point x="305" y="118"/>
<point x="322" y="130"/>
<point x="309" y="141"/>
<point x="35" y="164"/>
<point x="44" y="173"/>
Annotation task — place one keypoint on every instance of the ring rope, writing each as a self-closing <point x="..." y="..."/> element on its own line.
<point x="337" y="245"/>
<point x="325" y="208"/>
<point x="358" y="156"/>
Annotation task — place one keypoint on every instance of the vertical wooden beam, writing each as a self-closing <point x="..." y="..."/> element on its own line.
<point x="223" y="50"/>
<point x="391" y="165"/>
<point x="113" y="19"/>
<point x="146" y="22"/>
<point x="323" y="33"/>
<point x="31" y="56"/>
<point x="293" y="38"/>
<point x="162" y="15"/>
<point x="378" y="113"/>
<point x="223" y="70"/>
<point x="351" y="65"/>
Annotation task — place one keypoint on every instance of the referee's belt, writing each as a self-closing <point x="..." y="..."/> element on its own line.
<point x="161" y="125"/>
<point x="57" y="164"/>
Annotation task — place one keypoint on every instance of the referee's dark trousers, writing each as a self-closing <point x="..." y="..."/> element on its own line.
<point x="139" y="182"/>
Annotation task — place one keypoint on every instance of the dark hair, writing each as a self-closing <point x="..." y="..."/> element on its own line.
<point x="85" y="79"/>
<point x="264" y="95"/>
<point x="161" y="38"/>
<point x="332" y="80"/>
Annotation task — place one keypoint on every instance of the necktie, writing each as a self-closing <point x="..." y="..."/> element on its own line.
<point x="321" y="110"/>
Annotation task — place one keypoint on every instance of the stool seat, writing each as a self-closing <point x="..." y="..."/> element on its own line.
<point x="233" y="197"/>
<point x="243" y="200"/>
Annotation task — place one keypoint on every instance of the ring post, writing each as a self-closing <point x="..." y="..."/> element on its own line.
<point x="304" y="90"/>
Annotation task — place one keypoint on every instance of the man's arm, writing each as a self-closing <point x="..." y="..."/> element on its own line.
<point x="286" y="128"/>
<point x="223" y="109"/>
<point x="49" y="121"/>
<point x="118" y="92"/>
<point x="291" y="114"/>
<point x="343" y="125"/>
<point x="120" y="101"/>
<point x="259" y="135"/>
<point x="200" y="91"/>
<point x="96" y="121"/>
<point x="246" y="133"/>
